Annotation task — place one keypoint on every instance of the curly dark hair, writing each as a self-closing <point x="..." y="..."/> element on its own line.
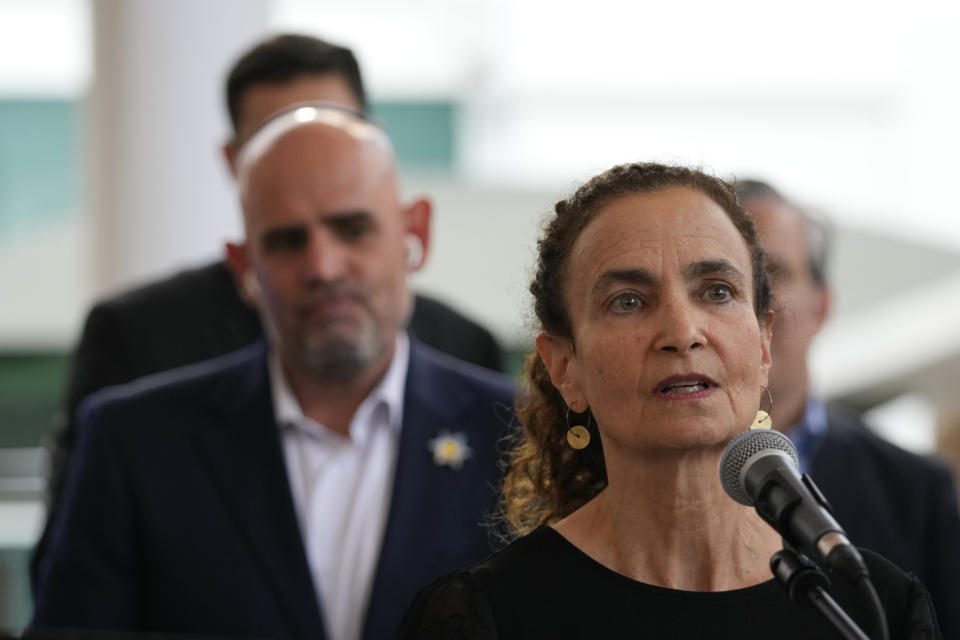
<point x="547" y="480"/>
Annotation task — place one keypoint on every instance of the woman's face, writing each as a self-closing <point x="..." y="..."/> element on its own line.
<point x="668" y="351"/>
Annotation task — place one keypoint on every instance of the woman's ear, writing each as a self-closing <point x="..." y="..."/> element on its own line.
<point x="766" y="335"/>
<point x="560" y="360"/>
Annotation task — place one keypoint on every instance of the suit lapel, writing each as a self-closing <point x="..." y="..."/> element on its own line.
<point x="417" y="536"/>
<point x="246" y="463"/>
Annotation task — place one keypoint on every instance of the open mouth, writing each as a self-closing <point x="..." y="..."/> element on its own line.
<point x="690" y="385"/>
<point x="685" y="387"/>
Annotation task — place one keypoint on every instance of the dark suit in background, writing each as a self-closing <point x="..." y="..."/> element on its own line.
<point x="898" y="504"/>
<point x="178" y="514"/>
<point x="901" y="505"/>
<point x="196" y="315"/>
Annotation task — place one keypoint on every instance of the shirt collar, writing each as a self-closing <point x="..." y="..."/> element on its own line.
<point x="807" y="435"/>
<point x="385" y="399"/>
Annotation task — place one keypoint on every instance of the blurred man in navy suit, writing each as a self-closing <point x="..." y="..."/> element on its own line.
<point x="896" y="503"/>
<point x="199" y="314"/>
<point x="306" y="486"/>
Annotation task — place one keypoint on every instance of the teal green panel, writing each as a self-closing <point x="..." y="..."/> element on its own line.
<point x="423" y="132"/>
<point x="31" y="387"/>
<point x="515" y="356"/>
<point x="15" y="601"/>
<point x="38" y="161"/>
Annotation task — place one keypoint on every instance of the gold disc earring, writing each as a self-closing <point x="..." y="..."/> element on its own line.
<point x="762" y="420"/>
<point x="578" y="436"/>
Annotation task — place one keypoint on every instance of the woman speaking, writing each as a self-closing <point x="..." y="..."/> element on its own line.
<point x="653" y="353"/>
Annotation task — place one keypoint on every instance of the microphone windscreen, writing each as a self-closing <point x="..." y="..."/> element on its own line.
<point x="741" y="449"/>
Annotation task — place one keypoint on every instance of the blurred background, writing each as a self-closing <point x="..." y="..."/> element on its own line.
<point x="497" y="109"/>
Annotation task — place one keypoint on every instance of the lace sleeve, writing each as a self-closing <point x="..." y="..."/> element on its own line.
<point x="921" y="621"/>
<point x="452" y="608"/>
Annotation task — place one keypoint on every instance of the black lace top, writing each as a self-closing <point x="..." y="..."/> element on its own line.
<point x="542" y="586"/>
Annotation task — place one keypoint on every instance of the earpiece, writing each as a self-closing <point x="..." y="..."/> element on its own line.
<point x="414" y="252"/>
<point x="251" y="286"/>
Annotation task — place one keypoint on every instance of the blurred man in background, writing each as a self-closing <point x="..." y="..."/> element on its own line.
<point x="902" y="505"/>
<point x="306" y="486"/>
<point x="199" y="314"/>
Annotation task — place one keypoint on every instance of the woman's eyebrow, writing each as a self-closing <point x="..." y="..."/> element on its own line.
<point x="630" y="276"/>
<point x="717" y="267"/>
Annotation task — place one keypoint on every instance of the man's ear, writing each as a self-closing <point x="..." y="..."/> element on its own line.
<point x="417" y="217"/>
<point x="243" y="275"/>
<point x="229" y="150"/>
<point x="824" y="303"/>
<point x="558" y="357"/>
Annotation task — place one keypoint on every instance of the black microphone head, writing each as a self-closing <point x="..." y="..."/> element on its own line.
<point x="741" y="449"/>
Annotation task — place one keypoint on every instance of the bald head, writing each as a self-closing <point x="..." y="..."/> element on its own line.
<point x="314" y="139"/>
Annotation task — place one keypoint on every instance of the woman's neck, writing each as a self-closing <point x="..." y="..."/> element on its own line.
<point x="666" y="521"/>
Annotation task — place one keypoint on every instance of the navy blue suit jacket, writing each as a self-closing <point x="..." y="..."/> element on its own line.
<point x="178" y="516"/>
<point x="901" y="505"/>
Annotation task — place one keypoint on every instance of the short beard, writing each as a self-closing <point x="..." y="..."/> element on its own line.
<point x="339" y="359"/>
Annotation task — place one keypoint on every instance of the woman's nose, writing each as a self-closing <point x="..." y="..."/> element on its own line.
<point x="679" y="329"/>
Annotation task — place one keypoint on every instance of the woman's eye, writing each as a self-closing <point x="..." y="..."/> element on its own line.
<point x="627" y="302"/>
<point x="719" y="293"/>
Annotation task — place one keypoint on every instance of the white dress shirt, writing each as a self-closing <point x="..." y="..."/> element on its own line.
<point x="341" y="489"/>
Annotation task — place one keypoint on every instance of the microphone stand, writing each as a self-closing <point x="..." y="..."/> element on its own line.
<point x="806" y="585"/>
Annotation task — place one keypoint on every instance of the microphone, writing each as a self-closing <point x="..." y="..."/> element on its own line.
<point x="759" y="469"/>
